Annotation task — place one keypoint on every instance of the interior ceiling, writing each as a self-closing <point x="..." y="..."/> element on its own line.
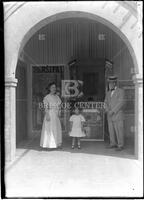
<point x="71" y="38"/>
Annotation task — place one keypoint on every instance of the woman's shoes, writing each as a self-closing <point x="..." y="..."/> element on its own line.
<point x="111" y="146"/>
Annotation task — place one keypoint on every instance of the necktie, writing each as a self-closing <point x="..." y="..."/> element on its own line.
<point x="112" y="91"/>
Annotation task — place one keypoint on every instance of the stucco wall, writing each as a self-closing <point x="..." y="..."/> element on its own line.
<point x="21" y="22"/>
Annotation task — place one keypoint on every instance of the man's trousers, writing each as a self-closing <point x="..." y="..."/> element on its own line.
<point x="116" y="133"/>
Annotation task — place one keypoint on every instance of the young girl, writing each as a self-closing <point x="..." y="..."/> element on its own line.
<point x="76" y="127"/>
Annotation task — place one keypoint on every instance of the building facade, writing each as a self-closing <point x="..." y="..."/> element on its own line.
<point x="53" y="34"/>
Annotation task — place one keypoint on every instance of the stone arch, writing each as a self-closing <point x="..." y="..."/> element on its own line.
<point x="77" y="14"/>
<point x="119" y="16"/>
<point x="29" y="17"/>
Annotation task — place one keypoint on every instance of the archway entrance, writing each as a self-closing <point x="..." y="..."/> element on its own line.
<point x="60" y="42"/>
<point x="62" y="35"/>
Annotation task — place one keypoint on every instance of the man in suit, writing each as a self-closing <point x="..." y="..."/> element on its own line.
<point x="114" y="102"/>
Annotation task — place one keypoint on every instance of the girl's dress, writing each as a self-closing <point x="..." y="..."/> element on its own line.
<point x="76" y="126"/>
<point x="51" y="134"/>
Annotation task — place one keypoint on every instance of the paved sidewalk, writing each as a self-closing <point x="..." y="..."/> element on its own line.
<point x="93" y="171"/>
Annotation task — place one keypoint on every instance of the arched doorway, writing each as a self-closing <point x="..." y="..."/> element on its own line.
<point x="61" y="41"/>
<point x="12" y="57"/>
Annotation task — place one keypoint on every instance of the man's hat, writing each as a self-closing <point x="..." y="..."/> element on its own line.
<point x="112" y="78"/>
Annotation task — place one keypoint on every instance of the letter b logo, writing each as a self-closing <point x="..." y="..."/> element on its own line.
<point x="72" y="88"/>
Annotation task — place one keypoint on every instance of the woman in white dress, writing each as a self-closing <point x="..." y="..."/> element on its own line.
<point x="51" y="134"/>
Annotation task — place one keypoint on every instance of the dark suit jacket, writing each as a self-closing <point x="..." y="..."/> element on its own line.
<point x="115" y="104"/>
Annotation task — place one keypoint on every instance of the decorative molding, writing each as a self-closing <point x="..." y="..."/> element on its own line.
<point x="129" y="5"/>
<point x="11" y="82"/>
<point x="133" y="25"/>
<point x="14" y="10"/>
<point x="9" y="7"/>
<point x="137" y="79"/>
<point x="140" y="35"/>
<point x="125" y="19"/>
<point x="104" y="5"/>
<point x="116" y="9"/>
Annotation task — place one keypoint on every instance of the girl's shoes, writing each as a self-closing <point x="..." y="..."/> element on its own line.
<point x="79" y="147"/>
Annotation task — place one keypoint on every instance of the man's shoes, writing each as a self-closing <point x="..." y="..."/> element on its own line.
<point x="119" y="149"/>
<point x="60" y="147"/>
<point x="111" y="146"/>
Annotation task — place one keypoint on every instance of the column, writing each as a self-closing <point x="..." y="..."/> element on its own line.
<point x="139" y="119"/>
<point x="29" y="100"/>
<point x="10" y="118"/>
<point x="66" y="112"/>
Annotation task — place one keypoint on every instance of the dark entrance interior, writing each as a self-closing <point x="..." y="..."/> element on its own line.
<point x="92" y="72"/>
<point x="21" y="102"/>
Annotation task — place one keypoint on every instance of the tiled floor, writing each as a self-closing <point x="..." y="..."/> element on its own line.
<point x="91" y="171"/>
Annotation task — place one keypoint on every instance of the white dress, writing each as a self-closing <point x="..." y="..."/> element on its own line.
<point x="51" y="134"/>
<point x="76" y="126"/>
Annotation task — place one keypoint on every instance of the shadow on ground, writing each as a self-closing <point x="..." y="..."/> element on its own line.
<point x="87" y="147"/>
